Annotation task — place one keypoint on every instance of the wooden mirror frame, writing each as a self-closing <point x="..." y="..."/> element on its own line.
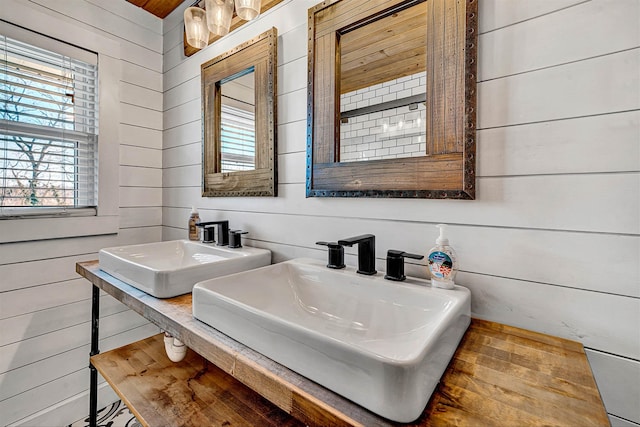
<point x="448" y="168"/>
<point x="261" y="53"/>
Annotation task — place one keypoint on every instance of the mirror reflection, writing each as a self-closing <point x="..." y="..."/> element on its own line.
<point x="237" y="122"/>
<point x="384" y="129"/>
<point x="383" y="87"/>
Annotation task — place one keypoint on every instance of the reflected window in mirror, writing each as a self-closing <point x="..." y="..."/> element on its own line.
<point x="238" y="122"/>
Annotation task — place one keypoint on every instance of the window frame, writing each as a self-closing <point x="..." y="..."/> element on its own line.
<point x="40" y="29"/>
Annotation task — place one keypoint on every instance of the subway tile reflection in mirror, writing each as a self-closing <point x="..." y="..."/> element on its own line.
<point x="384" y="121"/>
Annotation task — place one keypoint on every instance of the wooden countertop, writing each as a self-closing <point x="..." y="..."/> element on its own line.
<point x="499" y="376"/>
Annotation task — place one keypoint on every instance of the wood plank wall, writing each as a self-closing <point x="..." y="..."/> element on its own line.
<point x="44" y="304"/>
<point x="552" y="242"/>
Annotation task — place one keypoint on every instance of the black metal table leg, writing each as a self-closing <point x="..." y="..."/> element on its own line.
<point x="93" y="385"/>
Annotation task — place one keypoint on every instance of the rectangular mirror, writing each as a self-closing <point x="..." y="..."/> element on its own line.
<point x="239" y="120"/>
<point x="392" y="99"/>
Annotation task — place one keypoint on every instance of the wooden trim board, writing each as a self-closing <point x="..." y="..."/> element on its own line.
<point x="500" y="375"/>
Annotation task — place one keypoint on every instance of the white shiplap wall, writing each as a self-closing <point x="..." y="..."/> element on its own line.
<point x="551" y="243"/>
<point x="44" y="304"/>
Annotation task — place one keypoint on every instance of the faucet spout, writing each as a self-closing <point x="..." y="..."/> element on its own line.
<point x="366" y="252"/>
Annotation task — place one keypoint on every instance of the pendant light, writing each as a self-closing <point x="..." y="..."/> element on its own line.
<point x="219" y="14"/>
<point x="216" y="19"/>
<point x="247" y="9"/>
<point x="195" y="26"/>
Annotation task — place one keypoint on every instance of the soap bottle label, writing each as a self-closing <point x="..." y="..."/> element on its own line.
<point x="193" y="228"/>
<point x="440" y="265"/>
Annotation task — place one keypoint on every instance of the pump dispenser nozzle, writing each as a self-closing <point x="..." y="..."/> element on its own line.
<point x="442" y="239"/>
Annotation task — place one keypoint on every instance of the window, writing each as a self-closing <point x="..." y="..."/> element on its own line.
<point x="238" y="138"/>
<point x="48" y="129"/>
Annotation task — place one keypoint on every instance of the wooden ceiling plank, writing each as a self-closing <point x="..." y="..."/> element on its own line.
<point x="159" y="8"/>
<point x="139" y="3"/>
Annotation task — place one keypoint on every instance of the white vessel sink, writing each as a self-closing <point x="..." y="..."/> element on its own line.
<point x="381" y="344"/>
<point x="168" y="269"/>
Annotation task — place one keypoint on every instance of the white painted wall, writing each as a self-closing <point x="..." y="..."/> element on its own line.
<point x="44" y="304"/>
<point x="552" y="242"/>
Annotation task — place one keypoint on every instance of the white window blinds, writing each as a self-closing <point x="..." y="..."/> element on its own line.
<point x="238" y="138"/>
<point x="48" y="129"/>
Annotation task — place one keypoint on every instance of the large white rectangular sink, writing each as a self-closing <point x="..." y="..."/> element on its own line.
<point x="383" y="345"/>
<point x="168" y="269"/>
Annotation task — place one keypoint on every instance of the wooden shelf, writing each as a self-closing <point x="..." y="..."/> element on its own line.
<point x="499" y="376"/>
<point x="192" y="392"/>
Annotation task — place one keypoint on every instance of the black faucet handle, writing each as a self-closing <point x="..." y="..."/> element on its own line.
<point x="395" y="264"/>
<point x="329" y="244"/>
<point x="395" y="254"/>
<point x="207" y="231"/>
<point x="235" y="238"/>
<point x="336" y="254"/>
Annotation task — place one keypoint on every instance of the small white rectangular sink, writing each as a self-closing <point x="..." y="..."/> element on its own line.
<point x="168" y="269"/>
<point x="383" y="345"/>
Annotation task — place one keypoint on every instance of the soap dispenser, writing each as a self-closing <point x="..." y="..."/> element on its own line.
<point x="193" y="220"/>
<point x="442" y="261"/>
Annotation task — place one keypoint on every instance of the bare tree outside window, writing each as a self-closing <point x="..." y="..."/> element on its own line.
<point x="47" y="139"/>
<point x="39" y="170"/>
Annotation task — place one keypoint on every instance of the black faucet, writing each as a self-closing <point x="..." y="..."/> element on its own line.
<point x="223" y="232"/>
<point x="366" y="252"/>
<point x="395" y="264"/>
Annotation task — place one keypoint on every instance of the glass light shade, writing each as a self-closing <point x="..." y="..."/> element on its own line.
<point x="195" y="26"/>
<point x="219" y="14"/>
<point x="247" y="9"/>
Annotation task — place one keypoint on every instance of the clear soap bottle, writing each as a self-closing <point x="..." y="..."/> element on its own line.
<point x="442" y="261"/>
<point x="193" y="228"/>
